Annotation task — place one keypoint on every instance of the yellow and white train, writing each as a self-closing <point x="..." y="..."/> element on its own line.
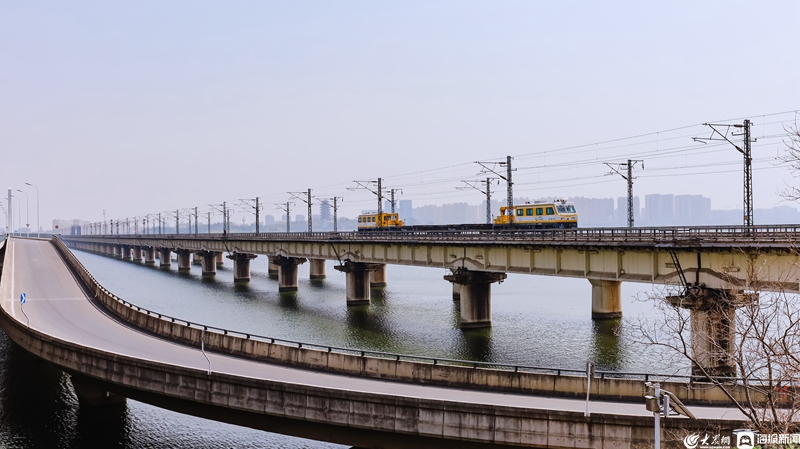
<point x="539" y="215"/>
<point x="547" y="214"/>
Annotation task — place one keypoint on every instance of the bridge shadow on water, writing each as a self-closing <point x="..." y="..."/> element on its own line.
<point x="39" y="409"/>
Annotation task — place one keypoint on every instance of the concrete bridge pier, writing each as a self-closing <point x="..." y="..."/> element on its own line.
<point x="475" y="296"/>
<point x="317" y="269"/>
<point x="377" y="278"/>
<point x="606" y="299"/>
<point x="287" y="272"/>
<point x="126" y="252"/>
<point x="241" y="266"/>
<point x="209" y="262"/>
<point x="456" y="292"/>
<point x="358" y="281"/>
<point x="713" y="327"/>
<point x="136" y="251"/>
<point x="456" y="289"/>
<point x="272" y="268"/>
<point x="92" y="393"/>
<point x="197" y="259"/>
<point x="184" y="259"/>
<point x="220" y="260"/>
<point x="165" y="254"/>
<point x="149" y="254"/>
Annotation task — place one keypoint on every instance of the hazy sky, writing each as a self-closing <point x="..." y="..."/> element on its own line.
<point x="141" y="107"/>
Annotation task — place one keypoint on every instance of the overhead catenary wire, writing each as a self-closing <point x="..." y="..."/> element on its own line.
<point x="663" y="145"/>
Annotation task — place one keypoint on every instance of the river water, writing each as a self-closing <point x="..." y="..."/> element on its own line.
<point x="537" y="321"/>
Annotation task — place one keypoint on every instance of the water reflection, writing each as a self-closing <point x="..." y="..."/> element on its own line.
<point x="242" y="287"/>
<point x="606" y="346"/>
<point x="288" y="300"/>
<point x="367" y="327"/>
<point x="476" y="345"/>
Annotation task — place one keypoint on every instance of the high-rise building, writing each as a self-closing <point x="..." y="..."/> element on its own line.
<point x="594" y="211"/>
<point x="405" y="210"/>
<point x="659" y="210"/>
<point x="692" y="210"/>
<point x="622" y="211"/>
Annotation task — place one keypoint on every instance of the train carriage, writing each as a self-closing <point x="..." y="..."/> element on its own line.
<point x="544" y="214"/>
<point x="539" y="215"/>
<point x="373" y="221"/>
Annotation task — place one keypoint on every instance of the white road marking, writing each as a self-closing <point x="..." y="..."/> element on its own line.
<point x="13" y="313"/>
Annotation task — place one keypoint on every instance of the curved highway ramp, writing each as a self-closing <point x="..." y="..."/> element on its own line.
<point x="110" y="360"/>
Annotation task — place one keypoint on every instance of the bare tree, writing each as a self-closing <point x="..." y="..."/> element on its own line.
<point x="747" y="344"/>
<point x="791" y="157"/>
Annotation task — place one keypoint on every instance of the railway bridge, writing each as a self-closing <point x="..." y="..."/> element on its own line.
<point x="718" y="268"/>
<point x="115" y="350"/>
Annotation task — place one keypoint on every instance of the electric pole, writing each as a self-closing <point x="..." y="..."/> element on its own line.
<point x="748" y="160"/>
<point x="507" y="179"/>
<point x="335" y="209"/>
<point x="224" y="211"/>
<point x="286" y="208"/>
<point x="253" y="203"/>
<point x="379" y="192"/>
<point x="391" y="192"/>
<point x="628" y="167"/>
<point x="487" y="192"/>
<point x="191" y="212"/>
<point x="307" y="200"/>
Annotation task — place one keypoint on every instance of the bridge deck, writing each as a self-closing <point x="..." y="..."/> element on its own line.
<point x="56" y="305"/>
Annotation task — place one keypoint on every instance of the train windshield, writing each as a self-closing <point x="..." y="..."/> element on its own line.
<point x="568" y="209"/>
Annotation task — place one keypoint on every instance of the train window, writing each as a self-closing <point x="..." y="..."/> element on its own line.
<point x="550" y="211"/>
<point x="571" y="209"/>
<point x="529" y="212"/>
<point x="520" y="212"/>
<point x="561" y="209"/>
<point x="359" y="219"/>
<point x="539" y="211"/>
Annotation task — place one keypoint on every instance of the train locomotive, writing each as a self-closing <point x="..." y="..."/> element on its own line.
<point x="555" y="214"/>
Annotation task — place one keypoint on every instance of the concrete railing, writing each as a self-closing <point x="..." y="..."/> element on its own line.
<point x="422" y="370"/>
